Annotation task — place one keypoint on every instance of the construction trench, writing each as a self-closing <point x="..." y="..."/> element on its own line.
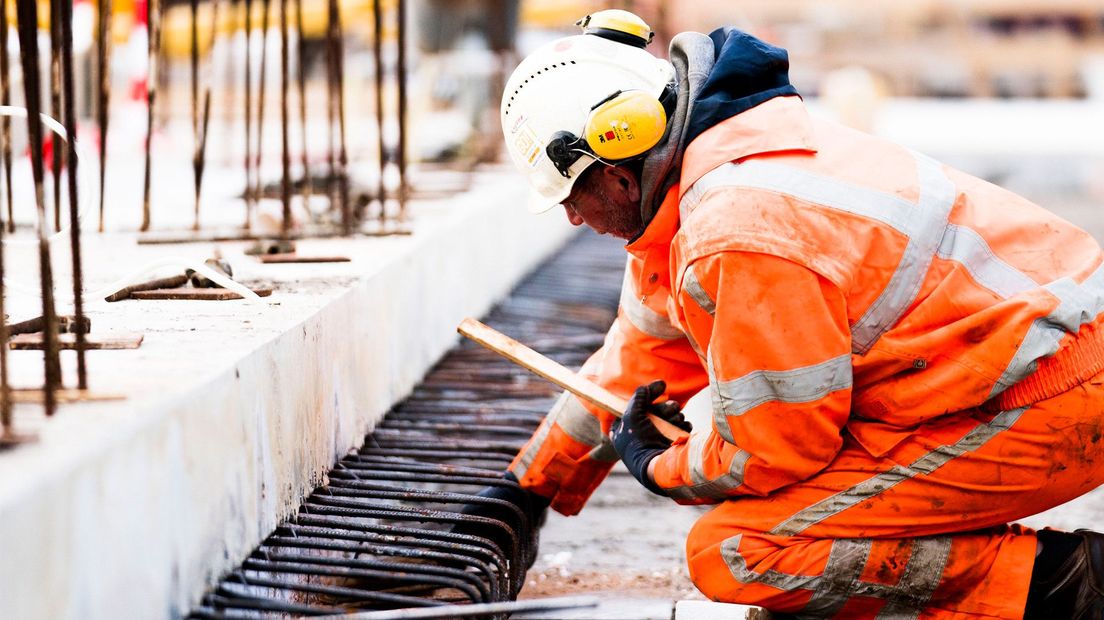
<point x="378" y="535"/>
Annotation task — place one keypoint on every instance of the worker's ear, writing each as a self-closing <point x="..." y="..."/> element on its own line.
<point x="624" y="180"/>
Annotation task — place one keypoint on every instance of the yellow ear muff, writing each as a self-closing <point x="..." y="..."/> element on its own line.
<point x="626" y="125"/>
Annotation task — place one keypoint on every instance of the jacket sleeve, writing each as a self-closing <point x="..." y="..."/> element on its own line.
<point x="779" y="364"/>
<point x="570" y="453"/>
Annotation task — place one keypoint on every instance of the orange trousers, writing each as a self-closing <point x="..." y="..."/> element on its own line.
<point x="919" y="532"/>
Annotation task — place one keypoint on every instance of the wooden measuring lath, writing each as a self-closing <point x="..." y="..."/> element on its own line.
<point x="555" y="372"/>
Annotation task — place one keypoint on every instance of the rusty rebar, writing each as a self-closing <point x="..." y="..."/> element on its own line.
<point x="248" y="113"/>
<point x="266" y="6"/>
<point x="285" y="153"/>
<point x="201" y="117"/>
<point x="331" y="115"/>
<point x="400" y="149"/>
<point x="27" y="11"/>
<point x="5" y="123"/>
<point x="103" y="61"/>
<point x="377" y="50"/>
<point x="301" y="51"/>
<point x="151" y="285"/>
<point x="153" y="30"/>
<point x="55" y="105"/>
<point x="343" y="152"/>
<point x="70" y="104"/>
<point x="6" y="431"/>
<point x="194" y="65"/>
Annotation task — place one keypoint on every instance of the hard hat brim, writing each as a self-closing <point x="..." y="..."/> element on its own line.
<point x="538" y="203"/>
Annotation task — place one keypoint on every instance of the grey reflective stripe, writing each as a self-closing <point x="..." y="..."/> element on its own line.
<point x="937" y="196"/>
<point x="579" y="424"/>
<point x="922" y="576"/>
<point x="967" y="247"/>
<point x="841" y="578"/>
<point x="846" y="562"/>
<point x="720" y="418"/>
<point x="871" y="487"/>
<point x="923" y="224"/>
<point x="800" y="385"/>
<point x="1077" y="304"/>
<point x="534" y="448"/>
<point x="694" y="289"/>
<point x="641" y="316"/>
<point x="702" y="487"/>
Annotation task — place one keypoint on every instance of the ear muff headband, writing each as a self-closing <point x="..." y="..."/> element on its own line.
<point x="621" y="126"/>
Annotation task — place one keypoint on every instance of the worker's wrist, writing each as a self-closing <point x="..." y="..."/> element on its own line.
<point x="647" y="477"/>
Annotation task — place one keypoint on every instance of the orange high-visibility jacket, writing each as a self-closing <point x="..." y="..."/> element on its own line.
<point x="817" y="280"/>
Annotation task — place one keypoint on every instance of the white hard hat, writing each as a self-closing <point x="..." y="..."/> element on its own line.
<point x="554" y="90"/>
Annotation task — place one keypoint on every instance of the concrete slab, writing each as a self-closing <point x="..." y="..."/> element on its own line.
<point x="708" y="610"/>
<point x="234" y="411"/>
<point x="611" y="607"/>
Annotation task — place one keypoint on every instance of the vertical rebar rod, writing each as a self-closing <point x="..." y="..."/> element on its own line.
<point x="103" y="60"/>
<point x="343" y="152"/>
<point x="301" y="52"/>
<point x="70" y="98"/>
<point x="5" y="393"/>
<point x="331" y="114"/>
<point x="285" y="157"/>
<point x="199" y="158"/>
<point x="258" y="188"/>
<point x="377" y="48"/>
<point x="400" y="149"/>
<point x="153" y="31"/>
<point x="55" y="105"/>
<point x="194" y="58"/>
<point x="248" y="113"/>
<point x="27" y="11"/>
<point x="5" y="123"/>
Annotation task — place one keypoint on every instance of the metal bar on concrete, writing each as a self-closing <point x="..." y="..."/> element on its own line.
<point x="5" y="122"/>
<point x="153" y="28"/>
<point x="258" y="189"/>
<point x="56" y="151"/>
<point x="285" y="152"/>
<point x="339" y="74"/>
<point x="27" y="11"/>
<point x="248" y="195"/>
<point x="301" y="54"/>
<point x="103" y="64"/>
<point x="400" y="78"/>
<point x="70" y="98"/>
<point x="470" y="611"/>
<point x="377" y="51"/>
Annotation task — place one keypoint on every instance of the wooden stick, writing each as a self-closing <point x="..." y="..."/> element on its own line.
<point x="556" y="373"/>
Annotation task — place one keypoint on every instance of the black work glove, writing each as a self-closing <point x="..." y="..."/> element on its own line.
<point x="534" y="506"/>
<point x="637" y="440"/>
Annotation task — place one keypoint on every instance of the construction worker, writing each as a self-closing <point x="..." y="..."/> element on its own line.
<point x="901" y="358"/>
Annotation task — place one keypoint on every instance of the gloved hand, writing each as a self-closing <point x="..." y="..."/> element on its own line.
<point x="637" y="440"/>
<point x="534" y="506"/>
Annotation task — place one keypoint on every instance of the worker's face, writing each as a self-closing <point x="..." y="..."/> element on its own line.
<point x="606" y="198"/>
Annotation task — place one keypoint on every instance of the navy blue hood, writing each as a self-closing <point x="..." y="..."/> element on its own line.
<point x="747" y="72"/>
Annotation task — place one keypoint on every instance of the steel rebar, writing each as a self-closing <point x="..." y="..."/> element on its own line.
<point x="55" y="105"/>
<point x="153" y="30"/>
<point x="301" y="51"/>
<point x="27" y="11"/>
<point x="377" y="50"/>
<point x="201" y="119"/>
<point x="266" y="8"/>
<point x="249" y="197"/>
<point x="6" y="431"/>
<point x="70" y="100"/>
<point x="343" y="152"/>
<point x="194" y="64"/>
<point x="331" y="116"/>
<point x="5" y="123"/>
<point x="285" y="153"/>
<point x="400" y="149"/>
<point x="103" y="61"/>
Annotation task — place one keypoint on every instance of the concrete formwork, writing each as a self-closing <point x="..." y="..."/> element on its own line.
<point x="129" y="509"/>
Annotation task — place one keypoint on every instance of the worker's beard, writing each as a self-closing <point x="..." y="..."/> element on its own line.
<point x="621" y="216"/>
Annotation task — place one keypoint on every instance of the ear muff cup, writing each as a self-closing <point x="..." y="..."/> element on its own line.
<point x="626" y="125"/>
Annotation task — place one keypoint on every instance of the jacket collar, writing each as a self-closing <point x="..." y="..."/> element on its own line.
<point x="780" y="124"/>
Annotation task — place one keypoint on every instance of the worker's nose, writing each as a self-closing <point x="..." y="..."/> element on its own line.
<point x="572" y="216"/>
